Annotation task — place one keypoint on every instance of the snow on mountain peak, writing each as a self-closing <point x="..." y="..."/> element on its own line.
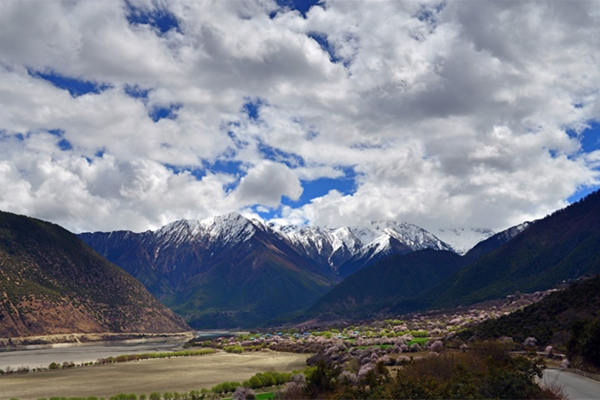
<point x="229" y="228"/>
<point x="462" y="239"/>
<point x="179" y="231"/>
<point x="332" y="246"/>
<point x="223" y="230"/>
<point x="337" y="245"/>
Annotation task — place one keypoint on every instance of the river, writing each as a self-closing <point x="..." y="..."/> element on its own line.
<point x="42" y="356"/>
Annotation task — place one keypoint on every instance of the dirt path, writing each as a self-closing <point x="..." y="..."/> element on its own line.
<point x="143" y="377"/>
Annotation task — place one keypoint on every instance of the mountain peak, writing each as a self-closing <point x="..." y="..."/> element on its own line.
<point x="462" y="239"/>
<point x="358" y="245"/>
<point x="222" y="229"/>
<point x="232" y="218"/>
<point x="229" y="228"/>
<point x="179" y="231"/>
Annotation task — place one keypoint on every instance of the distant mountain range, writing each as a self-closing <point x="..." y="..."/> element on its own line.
<point x="348" y="249"/>
<point x="532" y="256"/>
<point x="232" y="271"/>
<point x="403" y="282"/>
<point x="562" y="246"/>
<point x="51" y="282"/>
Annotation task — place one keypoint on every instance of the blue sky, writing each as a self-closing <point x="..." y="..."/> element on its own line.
<point x="311" y="112"/>
<point x="590" y="141"/>
<point x="345" y="184"/>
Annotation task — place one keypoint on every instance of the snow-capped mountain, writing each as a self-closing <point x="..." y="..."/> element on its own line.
<point x="462" y="239"/>
<point x="340" y="251"/>
<point x="221" y="231"/>
<point x="230" y="270"/>
<point x="333" y="247"/>
<point x="358" y="245"/>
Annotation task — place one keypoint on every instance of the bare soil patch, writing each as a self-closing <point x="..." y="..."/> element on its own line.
<point x="143" y="377"/>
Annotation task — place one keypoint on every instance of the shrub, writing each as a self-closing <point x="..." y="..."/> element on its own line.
<point x="269" y="378"/>
<point x="225" y="387"/>
<point x="487" y="370"/>
<point x="321" y="378"/>
<point x="585" y="342"/>
<point x="243" y="393"/>
<point x="437" y="346"/>
<point x="234" y="349"/>
<point x="123" y="396"/>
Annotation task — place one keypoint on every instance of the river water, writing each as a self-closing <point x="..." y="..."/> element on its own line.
<point x="39" y="356"/>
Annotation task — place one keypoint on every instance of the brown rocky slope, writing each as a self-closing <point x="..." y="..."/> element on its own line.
<point x="51" y="282"/>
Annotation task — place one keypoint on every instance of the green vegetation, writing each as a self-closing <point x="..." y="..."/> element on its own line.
<point x="70" y="398"/>
<point x="379" y="346"/>
<point x="258" y="381"/>
<point x="562" y="246"/>
<point x="388" y="284"/>
<point x="393" y="321"/>
<point x="256" y="283"/>
<point x="485" y="371"/>
<point x="234" y="349"/>
<point x="269" y="378"/>
<point x="117" y="359"/>
<point x="148" y="356"/>
<point x="584" y="345"/>
<point x="553" y="320"/>
<point x="259" y="396"/>
<point x="225" y="387"/>
<point x="418" y="340"/>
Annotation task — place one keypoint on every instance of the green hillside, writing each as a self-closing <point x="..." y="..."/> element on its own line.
<point x="551" y="320"/>
<point x="255" y="290"/>
<point x="392" y="281"/>
<point x="562" y="246"/>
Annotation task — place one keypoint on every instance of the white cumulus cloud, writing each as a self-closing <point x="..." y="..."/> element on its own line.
<point x="467" y="113"/>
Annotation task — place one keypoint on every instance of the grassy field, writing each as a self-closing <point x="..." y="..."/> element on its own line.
<point x="259" y="396"/>
<point x="418" y="340"/>
<point x="143" y="377"/>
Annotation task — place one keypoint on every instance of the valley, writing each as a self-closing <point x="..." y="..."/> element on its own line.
<point x="304" y="306"/>
<point x="299" y="199"/>
<point x="232" y="271"/>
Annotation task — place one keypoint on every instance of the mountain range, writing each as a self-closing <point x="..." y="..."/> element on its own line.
<point x="233" y="271"/>
<point x="51" y="282"/>
<point x="537" y="255"/>
<point x="403" y="282"/>
<point x="560" y="247"/>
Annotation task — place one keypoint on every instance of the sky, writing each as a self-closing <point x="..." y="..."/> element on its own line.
<point x="132" y="114"/>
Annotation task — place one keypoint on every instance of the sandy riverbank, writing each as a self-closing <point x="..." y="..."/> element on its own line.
<point x="48" y="341"/>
